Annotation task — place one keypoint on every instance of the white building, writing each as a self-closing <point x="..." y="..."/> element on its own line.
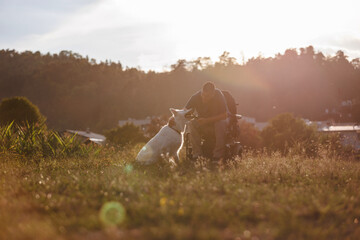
<point x="259" y="125"/>
<point x="350" y="134"/>
<point x="89" y="136"/>
<point x="136" y="122"/>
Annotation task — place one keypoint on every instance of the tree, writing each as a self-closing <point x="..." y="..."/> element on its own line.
<point x="226" y="60"/>
<point x="20" y="110"/>
<point x="249" y="136"/>
<point x="181" y="65"/>
<point x="127" y="134"/>
<point x="201" y="63"/>
<point x="286" y="133"/>
<point x="75" y="92"/>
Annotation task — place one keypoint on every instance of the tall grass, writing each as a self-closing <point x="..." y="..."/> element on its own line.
<point x="30" y="140"/>
<point x="258" y="196"/>
<point x="255" y="197"/>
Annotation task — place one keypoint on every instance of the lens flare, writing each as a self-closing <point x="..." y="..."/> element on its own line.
<point x="112" y="213"/>
<point x="128" y="168"/>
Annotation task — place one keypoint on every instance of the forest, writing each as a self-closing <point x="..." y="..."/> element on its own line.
<point x="75" y="92"/>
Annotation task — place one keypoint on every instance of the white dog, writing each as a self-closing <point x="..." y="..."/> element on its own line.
<point x="168" y="141"/>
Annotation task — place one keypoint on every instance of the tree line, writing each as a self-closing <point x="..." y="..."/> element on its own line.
<point x="76" y="92"/>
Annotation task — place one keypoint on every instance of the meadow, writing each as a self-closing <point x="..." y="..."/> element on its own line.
<point x="106" y="196"/>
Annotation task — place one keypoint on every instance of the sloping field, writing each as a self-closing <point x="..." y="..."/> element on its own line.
<point x="107" y="197"/>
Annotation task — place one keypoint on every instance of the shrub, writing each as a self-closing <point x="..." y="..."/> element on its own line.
<point x="286" y="133"/>
<point x="249" y="136"/>
<point x="127" y="134"/>
<point x="20" y="111"/>
<point x="155" y="125"/>
<point x="333" y="146"/>
<point x="31" y="140"/>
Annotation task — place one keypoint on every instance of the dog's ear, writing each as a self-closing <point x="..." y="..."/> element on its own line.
<point x="173" y="111"/>
<point x="189" y="112"/>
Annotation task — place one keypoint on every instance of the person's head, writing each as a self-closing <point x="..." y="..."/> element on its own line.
<point x="207" y="91"/>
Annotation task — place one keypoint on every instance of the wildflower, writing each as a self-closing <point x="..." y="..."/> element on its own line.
<point x="180" y="212"/>
<point x="247" y="234"/>
<point x="163" y="201"/>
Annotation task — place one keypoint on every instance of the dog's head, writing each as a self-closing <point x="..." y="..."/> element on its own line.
<point x="180" y="117"/>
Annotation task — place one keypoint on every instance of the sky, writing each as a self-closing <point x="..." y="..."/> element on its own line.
<point x="152" y="35"/>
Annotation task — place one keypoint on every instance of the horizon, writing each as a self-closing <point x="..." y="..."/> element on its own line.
<point x="168" y="69"/>
<point x="154" y="35"/>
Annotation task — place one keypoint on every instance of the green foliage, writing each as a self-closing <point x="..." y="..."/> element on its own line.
<point x="256" y="197"/>
<point x="20" y="111"/>
<point x="334" y="148"/>
<point x="155" y="125"/>
<point x="249" y="136"/>
<point x="34" y="140"/>
<point x="77" y="92"/>
<point x="286" y="133"/>
<point x="127" y="134"/>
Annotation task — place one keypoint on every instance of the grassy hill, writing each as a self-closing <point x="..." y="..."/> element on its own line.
<point x="106" y="196"/>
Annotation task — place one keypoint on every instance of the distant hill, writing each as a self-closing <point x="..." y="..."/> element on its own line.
<point x="75" y="92"/>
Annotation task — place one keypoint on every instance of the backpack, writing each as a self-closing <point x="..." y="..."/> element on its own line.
<point x="230" y="101"/>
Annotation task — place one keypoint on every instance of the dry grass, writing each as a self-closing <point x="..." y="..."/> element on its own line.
<point x="256" y="197"/>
